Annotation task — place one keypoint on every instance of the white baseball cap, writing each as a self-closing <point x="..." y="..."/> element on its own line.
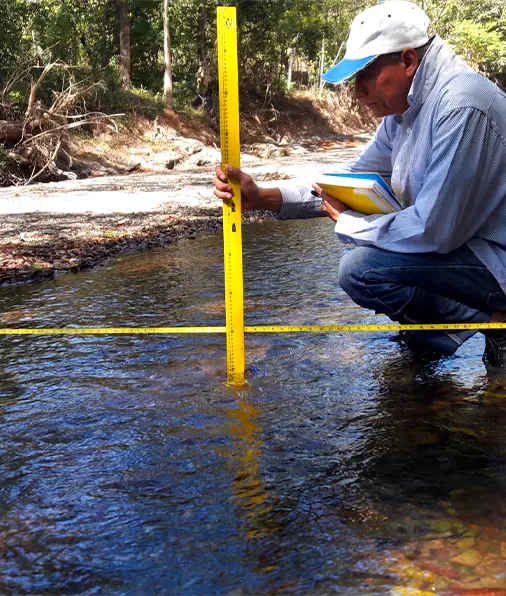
<point x="385" y="28"/>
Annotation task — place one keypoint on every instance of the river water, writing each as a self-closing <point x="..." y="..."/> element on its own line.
<point x="129" y="467"/>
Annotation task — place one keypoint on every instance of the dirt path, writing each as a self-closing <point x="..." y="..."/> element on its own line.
<point x="74" y="225"/>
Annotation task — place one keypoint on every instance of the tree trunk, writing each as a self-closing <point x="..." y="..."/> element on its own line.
<point x="125" y="56"/>
<point x="321" y="82"/>
<point x="291" y="56"/>
<point x="204" y="68"/>
<point x="167" y="70"/>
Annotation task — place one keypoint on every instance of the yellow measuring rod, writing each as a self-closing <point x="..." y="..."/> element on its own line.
<point x="231" y="155"/>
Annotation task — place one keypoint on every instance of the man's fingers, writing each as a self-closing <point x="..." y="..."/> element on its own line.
<point x="224" y="186"/>
<point x="220" y="174"/>
<point x="236" y="173"/>
<point x="224" y="196"/>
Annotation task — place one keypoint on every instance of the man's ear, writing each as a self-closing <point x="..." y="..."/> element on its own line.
<point x="411" y="61"/>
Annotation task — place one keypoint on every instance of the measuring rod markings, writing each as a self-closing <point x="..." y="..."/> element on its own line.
<point x="230" y="154"/>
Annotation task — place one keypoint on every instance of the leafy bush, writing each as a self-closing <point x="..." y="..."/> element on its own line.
<point x="480" y="44"/>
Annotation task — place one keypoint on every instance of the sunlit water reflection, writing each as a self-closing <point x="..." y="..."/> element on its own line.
<point x="344" y="466"/>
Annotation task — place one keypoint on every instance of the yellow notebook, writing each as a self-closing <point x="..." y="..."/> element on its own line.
<point x="367" y="193"/>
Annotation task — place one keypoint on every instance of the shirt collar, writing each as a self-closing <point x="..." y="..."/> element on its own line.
<point x="425" y="78"/>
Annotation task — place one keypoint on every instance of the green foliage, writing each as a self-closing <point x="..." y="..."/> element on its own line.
<point x="16" y="100"/>
<point x="272" y="33"/>
<point x="12" y="44"/>
<point x="480" y="45"/>
<point x="476" y="30"/>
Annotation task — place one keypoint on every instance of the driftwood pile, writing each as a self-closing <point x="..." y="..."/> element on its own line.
<point x="33" y="143"/>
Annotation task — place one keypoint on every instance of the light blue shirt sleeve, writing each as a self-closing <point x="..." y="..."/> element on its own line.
<point x="455" y="199"/>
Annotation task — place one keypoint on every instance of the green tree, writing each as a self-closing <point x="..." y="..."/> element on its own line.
<point x="480" y="44"/>
<point x="13" y="45"/>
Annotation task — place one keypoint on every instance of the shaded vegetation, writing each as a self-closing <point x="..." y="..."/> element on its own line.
<point x="107" y="56"/>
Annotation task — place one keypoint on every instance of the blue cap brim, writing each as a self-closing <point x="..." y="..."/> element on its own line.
<point x="346" y="69"/>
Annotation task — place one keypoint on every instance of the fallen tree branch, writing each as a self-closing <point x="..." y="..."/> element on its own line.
<point x="16" y="77"/>
<point x="74" y="125"/>
<point x="47" y="164"/>
<point x="37" y="136"/>
<point x="10" y="131"/>
<point x="35" y="88"/>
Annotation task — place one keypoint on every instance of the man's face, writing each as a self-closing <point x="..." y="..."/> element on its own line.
<point x="383" y="86"/>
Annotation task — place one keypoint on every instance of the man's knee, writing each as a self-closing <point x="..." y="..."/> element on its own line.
<point x="370" y="277"/>
<point x="352" y="267"/>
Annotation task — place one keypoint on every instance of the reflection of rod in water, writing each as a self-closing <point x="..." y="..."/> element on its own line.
<point x="250" y="494"/>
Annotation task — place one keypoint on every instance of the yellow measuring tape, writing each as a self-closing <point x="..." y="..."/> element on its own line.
<point x="251" y="329"/>
<point x="231" y="155"/>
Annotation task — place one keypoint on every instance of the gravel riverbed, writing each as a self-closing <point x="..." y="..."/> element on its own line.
<point x="58" y="227"/>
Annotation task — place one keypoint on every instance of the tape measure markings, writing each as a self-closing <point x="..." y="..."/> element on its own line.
<point x="386" y="327"/>
<point x="111" y="330"/>
<point x="250" y="329"/>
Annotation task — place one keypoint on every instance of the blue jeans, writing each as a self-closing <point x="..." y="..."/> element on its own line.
<point x="423" y="288"/>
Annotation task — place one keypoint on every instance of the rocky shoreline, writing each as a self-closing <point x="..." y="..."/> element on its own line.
<point x="68" y="227"/>
<point x="66" y="244"/>
<point x="47" y="229"/>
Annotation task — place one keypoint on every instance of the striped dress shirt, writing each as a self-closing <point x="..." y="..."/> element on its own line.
<point x="446" y="157"/>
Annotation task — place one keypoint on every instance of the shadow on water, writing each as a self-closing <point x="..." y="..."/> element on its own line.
<point x="127" y="466"/>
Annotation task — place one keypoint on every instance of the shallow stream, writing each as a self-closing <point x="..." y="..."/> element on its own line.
<point x="128" y="466"/>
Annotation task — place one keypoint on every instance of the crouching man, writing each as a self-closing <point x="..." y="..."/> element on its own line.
<point x="442" y="143"/>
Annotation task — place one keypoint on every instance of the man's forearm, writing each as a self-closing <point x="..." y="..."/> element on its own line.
<point x="270" y="199"/>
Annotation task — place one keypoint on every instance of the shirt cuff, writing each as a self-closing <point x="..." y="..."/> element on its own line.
<point x="299" y="203"/>
<point x="292" y="202"/>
